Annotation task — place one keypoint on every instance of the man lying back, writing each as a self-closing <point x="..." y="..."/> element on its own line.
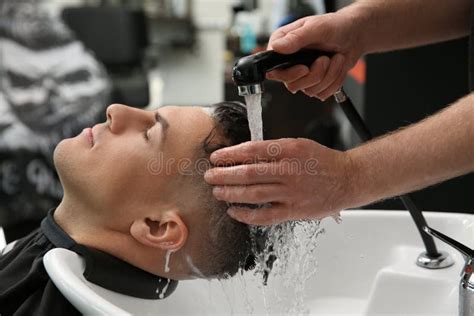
<point x="135" y="207"/>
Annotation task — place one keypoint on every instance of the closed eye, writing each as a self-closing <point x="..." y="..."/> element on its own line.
<point x="158" y="120"/>
<point x="145" y="134"/>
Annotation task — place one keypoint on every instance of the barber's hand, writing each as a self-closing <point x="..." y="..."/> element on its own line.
<point x="299" y="177"/>
<point x="333" y="32"/>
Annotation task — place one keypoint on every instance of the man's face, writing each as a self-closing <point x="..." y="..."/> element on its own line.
<point x="131" y="162"/>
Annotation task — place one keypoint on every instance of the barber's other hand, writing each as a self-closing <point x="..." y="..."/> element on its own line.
<point x="333" y="32"/>
<point x="299" y="177"/>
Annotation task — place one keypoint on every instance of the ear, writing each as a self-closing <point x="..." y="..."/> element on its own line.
<point x="166" y="231"/>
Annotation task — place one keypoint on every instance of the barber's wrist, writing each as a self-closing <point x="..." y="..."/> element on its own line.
<point x="349" y="193"/>
<point x="359" y="14"/>
<point x="360" y="179"/>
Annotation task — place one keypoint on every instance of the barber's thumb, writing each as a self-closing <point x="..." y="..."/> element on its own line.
<point x="291" y="42"/>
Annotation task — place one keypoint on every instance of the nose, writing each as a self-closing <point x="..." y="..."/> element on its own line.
<point x="121" y="118"/>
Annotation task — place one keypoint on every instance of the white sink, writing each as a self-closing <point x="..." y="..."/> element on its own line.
<point x="364" y="266"/>
<point x="377" y="270"/>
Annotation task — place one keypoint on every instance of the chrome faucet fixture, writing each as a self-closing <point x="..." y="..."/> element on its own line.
<point x="466" y="285"/>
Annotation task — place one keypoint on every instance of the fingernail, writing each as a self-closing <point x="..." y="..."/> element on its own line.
<point x="281" y="42"/>
<point x="340" y="58"/>
<point x="214" y="156"/>
<point x="217" y="190"/>
<point x="327" y="62"/>
<point x="232" y="212"/>
<point x="208" y="175"/>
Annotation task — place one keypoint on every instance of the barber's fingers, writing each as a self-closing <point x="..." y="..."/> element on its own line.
<point x="336" y="85"/>
<point x="315" y="75"/>
<point x="325" y="76"/>
<point x="333" y="73"/>
<point x="335" y="69"/>
<point x="250" y="194"/>
<point x="286" y="40"/>
<point x="244" y="174"/>
<point x="275" y="214"/>
<point x="254" y="151"/>
<point x="283" y="30"/>
<point x="288" y="75"/>
<point x="291" y="38"/>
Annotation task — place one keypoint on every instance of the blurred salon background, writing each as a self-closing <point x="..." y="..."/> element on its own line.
<point x="63" y="61"/>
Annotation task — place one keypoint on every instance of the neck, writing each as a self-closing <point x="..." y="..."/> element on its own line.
<point x="88" y="228"/>
<point x="75" y="218"/>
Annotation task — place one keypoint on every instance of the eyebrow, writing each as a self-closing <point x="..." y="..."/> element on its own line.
<point x="164" y="124"/>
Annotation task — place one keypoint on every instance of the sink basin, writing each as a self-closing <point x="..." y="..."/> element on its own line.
<point x="363" y="266"/>
<point x="376" y="263"/>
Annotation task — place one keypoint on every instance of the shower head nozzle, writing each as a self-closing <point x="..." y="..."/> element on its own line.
<point x="249" y="71"/>
<point x="250" y="89"/>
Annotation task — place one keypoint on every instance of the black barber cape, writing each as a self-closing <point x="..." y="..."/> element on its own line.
<point x="26" y="289"/>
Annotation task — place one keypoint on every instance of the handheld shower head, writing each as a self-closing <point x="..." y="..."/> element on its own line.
<point x="249" y="71"/>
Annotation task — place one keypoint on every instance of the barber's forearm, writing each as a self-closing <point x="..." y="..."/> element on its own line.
<point x="436" y="149"/>
<point x="394" y="24"/>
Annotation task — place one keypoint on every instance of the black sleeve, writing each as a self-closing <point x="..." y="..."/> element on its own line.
<point x="25" y="287"/>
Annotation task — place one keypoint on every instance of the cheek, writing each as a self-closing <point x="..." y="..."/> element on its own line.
<point x="121" y="175"/>
<point x="117" y="174"/>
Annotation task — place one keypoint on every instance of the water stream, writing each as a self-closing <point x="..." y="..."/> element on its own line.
<point x="288" y="255"/>
<point x="254" y="114"/>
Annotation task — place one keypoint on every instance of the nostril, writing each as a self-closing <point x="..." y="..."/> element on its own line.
<point x="117" y="117"/>
<point x="108" y="112"/>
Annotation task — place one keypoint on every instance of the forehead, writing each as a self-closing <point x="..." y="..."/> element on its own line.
<point x="188" y="127"/>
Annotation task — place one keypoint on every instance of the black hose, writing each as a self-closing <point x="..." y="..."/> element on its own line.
<point x="364" y="133"/>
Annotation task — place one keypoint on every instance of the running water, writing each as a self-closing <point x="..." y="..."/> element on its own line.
<point x="254" y="114"/>
<point x="285" y="250"/>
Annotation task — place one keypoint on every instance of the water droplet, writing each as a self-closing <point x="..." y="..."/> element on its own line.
<point x="167" y="260"/>
<point x="337" y="218"/>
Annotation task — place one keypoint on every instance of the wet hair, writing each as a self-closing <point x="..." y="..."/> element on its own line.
<point x="227" y="246"/>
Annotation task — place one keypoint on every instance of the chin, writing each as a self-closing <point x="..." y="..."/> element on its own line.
<point x="65" y="160"/>
<point x="60" y="154"/>
<point x="73" y="168"/>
